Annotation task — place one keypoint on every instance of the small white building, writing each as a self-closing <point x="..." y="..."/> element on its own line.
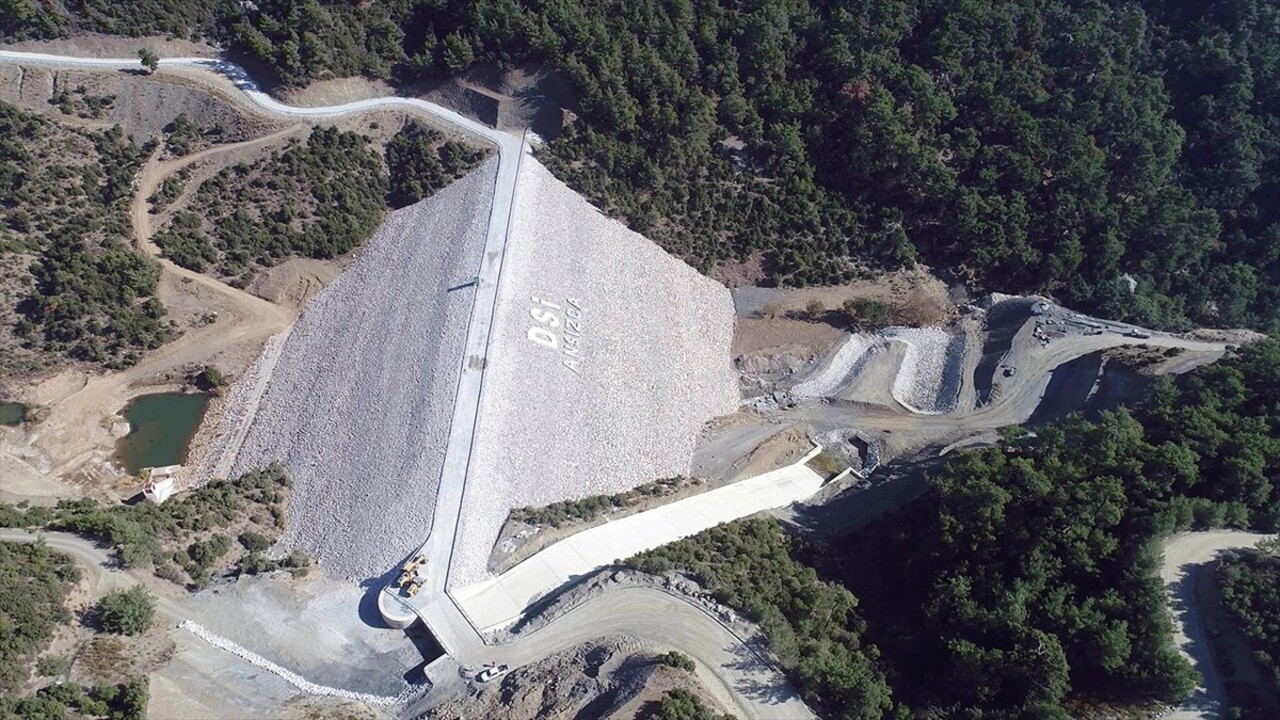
<point x="159" y="483"/>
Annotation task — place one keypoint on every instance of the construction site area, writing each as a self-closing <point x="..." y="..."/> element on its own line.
<point x="503" y="344"/>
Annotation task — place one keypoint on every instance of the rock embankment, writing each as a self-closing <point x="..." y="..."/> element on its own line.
<point x="359" y="403"/>
<point x="607" y="358"/>
<point x="843" y="366"/>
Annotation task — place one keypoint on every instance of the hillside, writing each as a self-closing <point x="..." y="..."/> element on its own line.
<point x="77" y="288"/>
<point x="1119" y="155"/>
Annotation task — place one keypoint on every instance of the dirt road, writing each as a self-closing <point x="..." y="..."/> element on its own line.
<point x="199" y="681"/>
<point x="1187" y="567"/>
<point x="732" y="671"/>
<point x="100" y="569"/>
<point x="156" y="171"/>
<point x="74" y="432"/>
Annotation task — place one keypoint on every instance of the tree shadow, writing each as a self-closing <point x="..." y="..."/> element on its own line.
<point x="1192" y="619"/>
<point x="758" y="679"/>
<point x="893" y="486"/>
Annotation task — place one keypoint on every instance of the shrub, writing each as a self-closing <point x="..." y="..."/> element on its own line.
<point x="209" y="379"/>
<point x="127" y="612"/>
<point x="865" y="313"/>
<point x="677" y="660"/>
<point x="51" y="665"/>
<point x="680" y="704"/>
<point x="254" y="542"/>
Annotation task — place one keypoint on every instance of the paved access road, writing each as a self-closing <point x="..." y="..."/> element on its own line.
<point x="757" y="690"/>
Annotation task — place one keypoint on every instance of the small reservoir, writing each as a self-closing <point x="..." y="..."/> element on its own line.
<point x="11" y="413"/>
<point x="160" y="428"/>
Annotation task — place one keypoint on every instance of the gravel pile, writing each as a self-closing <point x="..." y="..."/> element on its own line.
<point x="607" y="357"/>
<point x="359" y="403"/>
<point x="844" y="365"/>
<point x="929" y="380"/>
<point x="952" y="375"/>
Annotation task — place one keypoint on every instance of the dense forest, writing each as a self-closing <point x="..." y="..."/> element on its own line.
<point x="73" y="287"/>
<point x="1081" y="149"/>
<point x="33" y="589"/>
<point x="318" y="198"/>
<point x="421" y="161"/>
<point x="1250" y="585"/>
<point x="65" y="211"/>
<point x="1026" y="576"/>
<point x="34" y="585"/>
<point x="119" y="701"/>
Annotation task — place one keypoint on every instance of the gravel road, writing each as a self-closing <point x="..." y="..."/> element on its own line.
<point x="729" y="669"/>
<point x="359" y="404"/>
<point x="1187" y="560"/>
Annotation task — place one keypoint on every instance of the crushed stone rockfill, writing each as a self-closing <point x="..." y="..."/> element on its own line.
<point x="359" y="403"/>
<point x="607" y="358"/>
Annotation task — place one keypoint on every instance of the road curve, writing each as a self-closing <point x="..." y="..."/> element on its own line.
<point x="98" y="566"/>
<point x="1187" y="565"/>
<point x="735" y="674"/>
<point x="755" y="688"/>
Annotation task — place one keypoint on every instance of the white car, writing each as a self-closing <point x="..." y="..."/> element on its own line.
<point x="492" y="672"/>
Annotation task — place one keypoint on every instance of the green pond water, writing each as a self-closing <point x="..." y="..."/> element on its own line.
<point x="160" y="428"/>
<point x="11" y="413"/>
